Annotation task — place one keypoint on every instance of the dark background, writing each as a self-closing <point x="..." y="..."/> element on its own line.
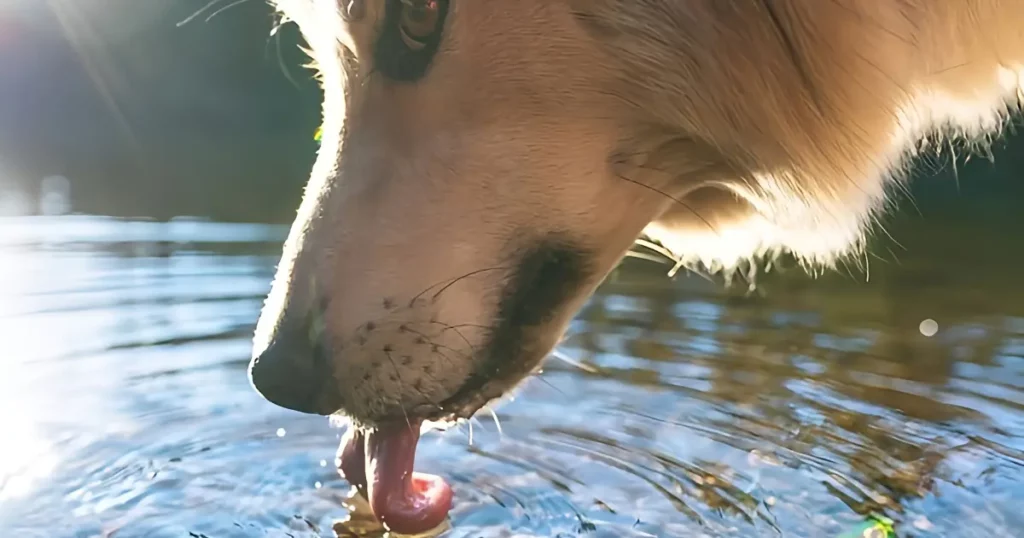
<point x="149" y="117"/>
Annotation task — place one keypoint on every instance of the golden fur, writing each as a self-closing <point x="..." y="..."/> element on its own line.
<point x="811" y="104"/>
<point x="723" y="129"/>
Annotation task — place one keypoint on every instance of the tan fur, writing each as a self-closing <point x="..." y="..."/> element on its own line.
<point x="813" y="105"/>
<point x="724" y="129"/>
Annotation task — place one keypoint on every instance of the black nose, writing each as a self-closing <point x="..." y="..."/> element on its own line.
<point x="296" y="374"/>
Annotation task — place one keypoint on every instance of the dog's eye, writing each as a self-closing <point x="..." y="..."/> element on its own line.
<point x="410" y="38"/>
<point x="419" y="21"/>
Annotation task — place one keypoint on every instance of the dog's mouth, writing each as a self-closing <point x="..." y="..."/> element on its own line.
<point x="379" y="462"/>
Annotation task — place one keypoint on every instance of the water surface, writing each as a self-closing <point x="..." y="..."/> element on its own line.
<point x="684" y="409"/>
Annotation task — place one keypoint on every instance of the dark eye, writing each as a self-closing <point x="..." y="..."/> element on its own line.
<point x="410" y="37"/>
<point x="419" y="21"/>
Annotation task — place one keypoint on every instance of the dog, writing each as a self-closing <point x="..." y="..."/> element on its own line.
<point x="485" y="164"/>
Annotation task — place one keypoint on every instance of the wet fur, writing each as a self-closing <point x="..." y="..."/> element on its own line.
<point x="743" y="127"/>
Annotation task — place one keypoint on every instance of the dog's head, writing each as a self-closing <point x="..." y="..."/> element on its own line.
<point x="467" y="199"/>
<point x="484" y="165"/>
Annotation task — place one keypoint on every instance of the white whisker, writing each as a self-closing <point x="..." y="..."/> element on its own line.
<point x="650" y="245"/>
<point x="497" y="423"/>
<point x="567" y="359"/>
<point x="648" y="257"/>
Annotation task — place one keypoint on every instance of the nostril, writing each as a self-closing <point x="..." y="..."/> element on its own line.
<point x="293" y="376"/>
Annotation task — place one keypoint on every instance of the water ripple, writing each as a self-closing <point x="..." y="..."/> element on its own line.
<point x="682" y="411"/>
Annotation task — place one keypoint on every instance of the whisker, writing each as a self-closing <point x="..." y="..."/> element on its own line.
<point x="432" y="342"/>
<point x="400" y="387"/>
<point x="688" y="207"/>
<point x="650" y="245"/>
<point x="197" y="13"/>
<point x="569" y="360"/>
<point x="275" y="34"/>
<point x="457" y="331"/>
<point x="448" y="283"/>
<point x="497" y="423"/>
<point x="467" y="275"/>
<point x="642" y="256"/>
<point x="437" y="351"/>
<point x="208" y="7"/>
<point x="225" y="8"/>
<point x="461" y="325"/>
<point x="548" y="383"/>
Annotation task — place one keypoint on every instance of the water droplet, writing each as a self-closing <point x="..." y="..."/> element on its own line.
<point x="929" y="327"/>
<point x="317" y="485"/>
<point x="323" y="463"/>
<point x="281" y="432"/>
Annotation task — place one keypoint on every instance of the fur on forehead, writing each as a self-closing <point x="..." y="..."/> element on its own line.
<point x="800" y="111"/>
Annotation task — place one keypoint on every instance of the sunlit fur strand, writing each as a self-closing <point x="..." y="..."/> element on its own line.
<point x="842" y="92"/>
<point x="831" y="126"/>
<point x="324" y="32"/>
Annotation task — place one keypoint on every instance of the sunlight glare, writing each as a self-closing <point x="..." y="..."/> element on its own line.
<point x="26" y="455"/>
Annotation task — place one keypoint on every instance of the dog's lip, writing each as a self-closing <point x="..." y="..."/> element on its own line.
<point x="379" y="462"/>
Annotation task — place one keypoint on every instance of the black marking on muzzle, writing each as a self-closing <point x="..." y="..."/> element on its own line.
<point x="548" y="273"/>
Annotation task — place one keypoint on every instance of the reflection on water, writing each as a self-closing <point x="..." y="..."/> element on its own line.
<point x="126" y="412"/>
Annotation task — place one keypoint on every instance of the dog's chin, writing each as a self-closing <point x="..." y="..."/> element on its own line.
<point x="469" y="405"/>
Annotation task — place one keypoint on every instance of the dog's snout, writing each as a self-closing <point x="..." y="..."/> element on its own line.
<point x="292" y="372"/>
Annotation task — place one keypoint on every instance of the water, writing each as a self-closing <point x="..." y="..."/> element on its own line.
<point x="125" y="410"/>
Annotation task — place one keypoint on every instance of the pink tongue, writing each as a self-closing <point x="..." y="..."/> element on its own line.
<point x="405" y="501"/>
